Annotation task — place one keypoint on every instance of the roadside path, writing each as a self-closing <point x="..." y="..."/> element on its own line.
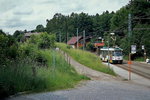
<point x="93" y="74"/>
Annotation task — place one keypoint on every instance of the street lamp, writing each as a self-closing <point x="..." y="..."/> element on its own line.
<point x="112" y="34"/>
<point x="113" y="38"/>
<point x="108" y="53"/>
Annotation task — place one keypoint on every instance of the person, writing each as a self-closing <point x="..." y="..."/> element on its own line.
<point x="147" y="60"/>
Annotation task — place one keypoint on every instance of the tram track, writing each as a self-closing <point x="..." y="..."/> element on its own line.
<point x="139" y="72"/>
<point x="143" y="65"/>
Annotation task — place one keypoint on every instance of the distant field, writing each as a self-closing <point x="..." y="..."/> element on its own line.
<point x="86" y="58"/>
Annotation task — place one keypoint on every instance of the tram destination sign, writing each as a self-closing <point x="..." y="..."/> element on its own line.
<point x="133" y="49"/>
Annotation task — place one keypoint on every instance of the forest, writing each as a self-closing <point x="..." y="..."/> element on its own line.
<point x="101" y="25"/>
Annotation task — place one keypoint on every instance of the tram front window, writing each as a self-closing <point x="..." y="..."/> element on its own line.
<point x="117" y="53"/>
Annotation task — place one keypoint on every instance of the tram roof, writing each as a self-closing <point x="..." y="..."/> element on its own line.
<point x="111" y="49"/>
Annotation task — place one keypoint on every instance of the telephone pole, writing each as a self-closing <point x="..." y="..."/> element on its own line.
<point x="77" y="38"/>
<point x="84" y="40"/>
<point x="129" y="26"/>
<point x="129" y="37"/>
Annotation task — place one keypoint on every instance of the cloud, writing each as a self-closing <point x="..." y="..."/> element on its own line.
<point x="27" y="14"/>
<point x="48" y="2"/>
<point x="6" y="5"/>
<point x="24" y="12"/>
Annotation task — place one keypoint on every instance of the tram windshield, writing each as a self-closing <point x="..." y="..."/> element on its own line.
<point x="117" y="53"/>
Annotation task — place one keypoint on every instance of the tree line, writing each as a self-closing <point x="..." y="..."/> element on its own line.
<point x="101" y="25"/>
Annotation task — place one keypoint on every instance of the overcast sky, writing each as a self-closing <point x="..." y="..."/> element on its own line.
<point x="27" y="14"/>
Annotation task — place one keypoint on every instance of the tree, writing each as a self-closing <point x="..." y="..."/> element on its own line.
<point x="140" y="11"/>
<point x="1" y="32"/>
<point x="18" y="35"/>
<point x="40" y="28"/>
<point x="43" y="41"/>
<point x="8" y="48"/>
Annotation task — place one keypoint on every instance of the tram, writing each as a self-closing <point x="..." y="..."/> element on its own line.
<point x="113" y="55"/>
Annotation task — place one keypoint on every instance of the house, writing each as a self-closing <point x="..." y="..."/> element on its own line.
<point x="28" y="35"/>
<point x="99" y="42"/>
<point x="98" y="45"/>
<point x="73" y="41"/>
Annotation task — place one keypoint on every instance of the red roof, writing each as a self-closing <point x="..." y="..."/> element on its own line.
<point x="98" y="44"/>
<point x="73" y="40"/>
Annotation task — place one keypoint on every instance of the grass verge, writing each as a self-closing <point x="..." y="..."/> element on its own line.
<point x="86" y="58"/>
<point x="19" y="76"/>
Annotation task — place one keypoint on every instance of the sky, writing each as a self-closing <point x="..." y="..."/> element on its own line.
<point x="27" y="14"/>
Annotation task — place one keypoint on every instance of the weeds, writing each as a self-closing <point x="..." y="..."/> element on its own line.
<point x="18" y="75"/>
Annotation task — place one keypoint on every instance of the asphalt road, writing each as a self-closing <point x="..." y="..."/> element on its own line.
<point x="95" y="90"/>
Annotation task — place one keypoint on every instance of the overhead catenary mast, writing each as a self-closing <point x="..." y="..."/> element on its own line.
<point x="77" y="38"/>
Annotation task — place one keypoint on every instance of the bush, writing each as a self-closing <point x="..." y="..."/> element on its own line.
<point x="89" y="46"/>
<point x="39" y="57"/>
<point x="46" y="41"/>
<point x="69" y="47"/>
<point x="8" y="48"/>
<point x="43" y="41"/>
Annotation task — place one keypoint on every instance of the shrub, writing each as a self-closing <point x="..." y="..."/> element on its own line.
<point x="8" y="48"/>
<point x="68" y="47"/>
<point x="89" y="46"/>
<point x="46" y="41"/>
<point x="39" y="57"/>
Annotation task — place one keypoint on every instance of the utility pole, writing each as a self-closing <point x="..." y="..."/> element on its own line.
<point x="108" y="53"/>
<point x="77" y="38"/>
<point x="67" y="36"/>
<point x="129" y="26"/>
<point x="66" y="28"/>
<point x="84" y="40"/>
<point x="129" y="37"/>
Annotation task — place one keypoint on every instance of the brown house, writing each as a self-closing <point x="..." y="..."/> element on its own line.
<point x="73" y="41"/>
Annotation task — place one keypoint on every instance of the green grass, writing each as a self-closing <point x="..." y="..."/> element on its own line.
<point x="139" y="59"/>
<point x="126" y="57"/>
<point x="17" y="76"/>
<point x="86" y="58"/>
<point x="136" y="59"/>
